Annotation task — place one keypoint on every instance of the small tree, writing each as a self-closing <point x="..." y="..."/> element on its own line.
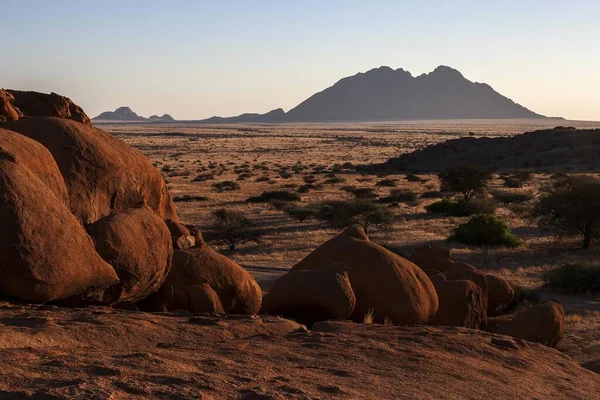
<point x="233" y="228"/>
<point x="571" y="204"/>
<point x="361" y="212"/>
<point x="467" y="180"/>
<point x="225" y="186"/>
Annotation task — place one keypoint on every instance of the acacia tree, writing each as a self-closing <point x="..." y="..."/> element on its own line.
<point x="465" y="179"/>
<point x="233" y="229"/>
<point x="362" y="212"/>
<point x="571" y="204"/>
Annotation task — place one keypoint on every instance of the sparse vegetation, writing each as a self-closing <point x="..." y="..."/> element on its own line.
<point x="232" y="229"/>
<point x="512" y="196"/>
<point x="225" y="186"/>
<point x="485" y="230"/>
<point x="462" y="208"/>
<point x="467" y="180"/>
<point x="280" y="195"/>
<point x="387" y="183"/>
<point x="400" y="196"/>
<point x="572" y="205"/>
<point x="361" y="192"/>
<point x="187" y="197"/>
<point x="574" y="278"/>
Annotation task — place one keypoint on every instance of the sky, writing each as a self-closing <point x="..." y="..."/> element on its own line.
<point x="194" y="59"/>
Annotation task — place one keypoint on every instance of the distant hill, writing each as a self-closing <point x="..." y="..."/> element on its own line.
<point x="549" y="150"/>
<point x="384" y="94"/>
<point x="126" y="114"/>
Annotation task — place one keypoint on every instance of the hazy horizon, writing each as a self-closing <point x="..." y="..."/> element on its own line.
<point x="195" y="60"/>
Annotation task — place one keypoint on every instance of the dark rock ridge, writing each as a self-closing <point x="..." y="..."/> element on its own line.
<point x="384" y="94"/>
<point x="560" y="148"/>
<point x="126" y="114"/>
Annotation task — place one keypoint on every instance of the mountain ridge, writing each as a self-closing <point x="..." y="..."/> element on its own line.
<point x="126" y="114"/>
<point x="386" y="94"/>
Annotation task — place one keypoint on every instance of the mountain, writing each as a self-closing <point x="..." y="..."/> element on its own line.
<point x="126" y="114"/>
<point x="385" y="94"/>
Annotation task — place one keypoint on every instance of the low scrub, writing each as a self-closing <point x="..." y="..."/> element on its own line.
<point x="512" y="196"/>
<point x="386" y="183"/>
<point x="361" y="192"/>
<point x="280" y="195"/>
<point x="462" y="208"/>
<point x="187" y="197"/>
<point x="400" y="196"/>
<point x="485" y="230"/>
<point x="574" y="278"/>
<point x="226" y="186"/>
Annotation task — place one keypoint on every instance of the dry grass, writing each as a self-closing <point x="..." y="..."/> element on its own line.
<point x="285" y="157"/>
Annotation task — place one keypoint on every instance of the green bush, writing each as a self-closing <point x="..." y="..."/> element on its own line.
<point x="485" y="230"/>
<point x="574" y="278"/>
<point x="280" y="195"/>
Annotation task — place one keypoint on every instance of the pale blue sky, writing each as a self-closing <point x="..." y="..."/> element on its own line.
<point x="195" y="59"/>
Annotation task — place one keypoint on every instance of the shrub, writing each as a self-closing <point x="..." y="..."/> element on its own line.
<point x="512" y="196"/>
<point x="2" y="118"/>
<point x="414" y="178"/>
<point x="302" y="213"/>
<point x="187" y="197"/>
<point x="225" y="186"/>
<point x="431" y="194"/>
<point x="518" y="179"/>
<point x="386" y="183"/>
<point x="574" y="278"/>
<point x="400" y="195"/>
<point x="334" y="181"/>
<point x="203" y="178"/>
<point x="467" y="180"/>
<point x="571" y="204"/>
<point x="485" y="230"/>
<point x="262" y="179"/>
<point x="281" y="195"/>
<point x="361" y="193"/>
<point x="462" y="208"/>
<point x="232" y="229"/>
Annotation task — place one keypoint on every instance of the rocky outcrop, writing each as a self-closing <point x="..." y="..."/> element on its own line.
<point x="103" y="174"/>
<point x="45" y="254"/>
<point x="137" y="243"/>
<point x="236" y="289"/>
<point x="312" y="295"/>
<point x="544" y="323"/>
<point x="385" y="284"/>
<point x="16" y="104"/>
<point x="461" y="303"/>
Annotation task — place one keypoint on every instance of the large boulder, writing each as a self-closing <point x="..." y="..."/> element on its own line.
<point x="103" y="174"/>
<point x="461" y="303"/>
<point x="8" y="110"/>
<point x="500" y="294"/>
<point x="35" y="104"/>
<point x="312" y="295"/>
<point x="384" y="283"/>
<point x="544" y="323"/>
<point x="46" y="254"/>
<point x="237" y="291"/>
<point x="474" y="275"/>
<point x="137" y="243"/>
<point x="37" y="159"/>
<point x="429" y="257"/>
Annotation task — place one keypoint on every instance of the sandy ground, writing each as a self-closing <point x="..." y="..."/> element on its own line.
<point x="261" y="152"/>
